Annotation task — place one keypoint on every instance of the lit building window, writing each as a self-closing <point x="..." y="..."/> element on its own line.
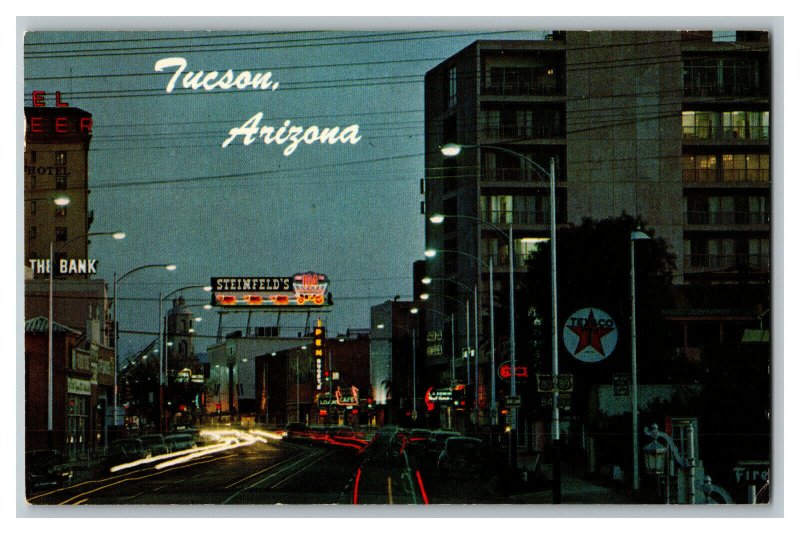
<point x="61" y="158"/>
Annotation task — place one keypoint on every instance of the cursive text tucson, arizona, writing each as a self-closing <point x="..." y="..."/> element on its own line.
<point x="288" y="134"/>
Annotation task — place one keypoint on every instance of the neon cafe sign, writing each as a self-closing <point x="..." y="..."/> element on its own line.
<point x="307" y="289"/>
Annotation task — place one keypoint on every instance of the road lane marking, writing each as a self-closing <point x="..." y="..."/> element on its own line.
<point x="80" y="502"/>
<point x="128" y="479"/>
<point x="259" y="482"/>
<point x="274" y="486"/>
<point x="127" y="498"/>
<point x="271" y="467"/>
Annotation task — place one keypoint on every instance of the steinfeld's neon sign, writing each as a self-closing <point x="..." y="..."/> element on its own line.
<point x="302" y="289"/>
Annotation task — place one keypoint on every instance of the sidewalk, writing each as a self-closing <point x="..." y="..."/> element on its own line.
<point x="575" y="488"/>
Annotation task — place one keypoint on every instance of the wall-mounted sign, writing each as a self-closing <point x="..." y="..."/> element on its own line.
<point x="622" y="384"/>
<point x="318" y="363"/>
<point x="347" y="398"/>
<point x="302" y="289"/>
<point x="504" y="371"/>
<point x="751" y="473"/>
<point x="434" y="336"/>
<point x="325" y="400"/>
<point x="434" y="351"/>
<point x="437" y="395"/>
<point x="64" y="266"/>
<point x="590" y="334"/>
<point x="78" y="386"/>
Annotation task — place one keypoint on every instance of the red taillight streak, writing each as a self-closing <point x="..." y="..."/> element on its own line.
<point x="355" y="486"/>
<point x="422" y="487"/>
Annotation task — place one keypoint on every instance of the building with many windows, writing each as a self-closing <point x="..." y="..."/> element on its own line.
<point x="56" y="165"/>
<point x="673" y="127"/>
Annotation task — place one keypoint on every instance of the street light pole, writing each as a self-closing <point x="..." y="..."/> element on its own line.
<point x="636" y="235"/>
<point x="488" y="265"/>
<point x="61" y="201"/>
<point x="453" y="149"/>
<point x="477" y="356"/>
<point x="554" y="340"/>
<point x="493" y="408"/>
<point x="167" y="266"/>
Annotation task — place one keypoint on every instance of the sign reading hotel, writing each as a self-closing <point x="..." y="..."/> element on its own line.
<point x="590" y="335"/>
<point x="308" y="289"/>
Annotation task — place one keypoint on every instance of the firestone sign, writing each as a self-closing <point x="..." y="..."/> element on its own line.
<point x="590" y="334"/>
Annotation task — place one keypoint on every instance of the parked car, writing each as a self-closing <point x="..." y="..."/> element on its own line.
<point x="179" y="442"/>
<point x="126" y="450"/>
<point x="46" y="468"/>
<point x="155" y="443"/>
<point x="296" y="432"/>
<point x="435" y="445"/>
<point x="418" y="439"/>
<point x="463" y="456"/>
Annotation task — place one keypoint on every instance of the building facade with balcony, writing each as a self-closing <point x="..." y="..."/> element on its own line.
<point x="669" y="126"/>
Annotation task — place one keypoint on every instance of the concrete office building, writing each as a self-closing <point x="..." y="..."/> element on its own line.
<point x="670" y="126"/>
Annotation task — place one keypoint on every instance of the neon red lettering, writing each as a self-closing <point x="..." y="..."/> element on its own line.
<point x="59" y="103"/>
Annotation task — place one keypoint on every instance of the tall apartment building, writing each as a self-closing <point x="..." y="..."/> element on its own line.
<point x="56" y="165"/>
<point x="670" y="126"/>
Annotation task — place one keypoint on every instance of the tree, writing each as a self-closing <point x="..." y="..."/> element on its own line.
<point x="593" y="267"/>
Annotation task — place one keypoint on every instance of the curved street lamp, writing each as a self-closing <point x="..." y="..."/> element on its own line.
<point x="51" y="267"/>
<point x="438" y="219"/>
<point x="427" y="281"/>
<point x="168" y="267"/>
<point x="451" y="150"/>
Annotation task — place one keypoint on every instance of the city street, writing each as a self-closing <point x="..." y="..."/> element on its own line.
<point x="259" y="473"/>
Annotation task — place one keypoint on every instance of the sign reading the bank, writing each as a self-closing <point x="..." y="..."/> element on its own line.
<point x="590" y="334"/>
<point x="302" y="289"/>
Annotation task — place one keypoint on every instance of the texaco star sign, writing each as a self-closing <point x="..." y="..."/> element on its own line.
<point x="590" y="335"/>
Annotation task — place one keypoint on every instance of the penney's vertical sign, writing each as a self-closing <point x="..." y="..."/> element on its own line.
<point x="288" y="134"/>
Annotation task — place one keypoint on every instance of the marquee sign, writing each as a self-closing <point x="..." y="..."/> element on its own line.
<point x="347" y="398"/>
<point x="437" y="395"/>
<point x="590" y="335"/>
<point x="302" y="289"/>
<point x="504" y="371"/>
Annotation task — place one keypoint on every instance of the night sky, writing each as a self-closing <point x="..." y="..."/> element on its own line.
<point x="157" y="170"/>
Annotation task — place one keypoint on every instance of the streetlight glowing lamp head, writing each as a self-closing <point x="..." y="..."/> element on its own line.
<point x="61" y="201"/>
<point x="207" y="306"/>
<point x="414" y="311"/>
<point x="427" y="280"/>
<point x="451" y="149"/>
<point x="118" y="235"/>
<point x="424" y="296"/>
<point x="637" y="235"/>
<point x="207" y="289"/>
<point x="381" y="326"/>
<point x="430" y="253"/>
<point x="198" y="319"/>
<point x="436" y="218"/>
<point x="171" y="267"/>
